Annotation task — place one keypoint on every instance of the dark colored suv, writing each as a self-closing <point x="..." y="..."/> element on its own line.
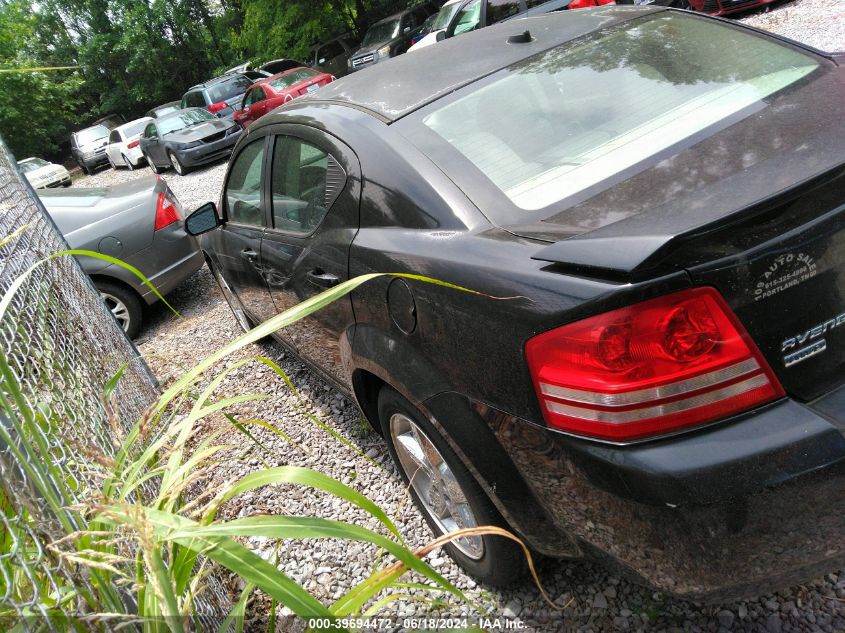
<point x="389" y="37"/>
<point x="221" y="96"/>
<point x="333" y="56"/>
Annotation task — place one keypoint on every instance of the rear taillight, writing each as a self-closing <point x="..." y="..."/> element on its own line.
<point x="166" y="212"/>
<point x="134" y="144"/>
<point x="583" y="4"/>
<point x="214" y="108"/>
<point x="648" y="369"/>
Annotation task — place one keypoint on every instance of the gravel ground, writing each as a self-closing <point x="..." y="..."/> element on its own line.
<point x="597" y="600"/>
<point x="819" y="23"/>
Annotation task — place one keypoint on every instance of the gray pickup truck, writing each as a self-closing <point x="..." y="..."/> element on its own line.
<point x="141" y="223"/>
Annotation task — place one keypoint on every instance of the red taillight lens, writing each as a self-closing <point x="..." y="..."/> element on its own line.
<point x="134" y="144"/>
<point x="648" y="369"/>
<point x="583" y="4"/>
<point x="214" y="108"/>
<point x="166" y="212"/>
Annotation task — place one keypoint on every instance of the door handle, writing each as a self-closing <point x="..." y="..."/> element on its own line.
<point x="249" y="254"/>
<point x="319" y="277"/>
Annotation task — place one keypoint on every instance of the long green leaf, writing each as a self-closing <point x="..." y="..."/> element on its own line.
<point x="306" y="477"/>
<point x="314" y="527"/>
<point x="228" y="553"/>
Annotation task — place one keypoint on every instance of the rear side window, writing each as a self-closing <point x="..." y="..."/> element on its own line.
<point x="565" y="120"/>
<point x="305" y="181"/>
<point x="498" y="10"/>
<point x="195" y="100"/>
<point x="243" y="189"/>
<point x="329" y="52"/>
<point x="114" y="137"/>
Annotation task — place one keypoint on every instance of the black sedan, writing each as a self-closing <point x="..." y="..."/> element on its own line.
<point x="653" y="373"/>
<point x="186" y="139"/>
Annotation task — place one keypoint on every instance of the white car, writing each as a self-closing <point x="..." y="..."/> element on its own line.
<point x="124" y="148"/>
<point x="41" y="174"/>
<point x="441" y="22"/>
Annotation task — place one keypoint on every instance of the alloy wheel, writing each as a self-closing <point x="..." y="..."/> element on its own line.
<point x="435" y="483"/>
<point x="176" y="164"/>
<point x="118" y="309"/>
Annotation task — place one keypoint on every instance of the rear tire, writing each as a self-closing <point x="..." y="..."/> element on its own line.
<point x="113" y="166"/>
<point x="128" y="163"/>
<point x="152" y="165"/>
<point x="124" y="305"/>
<point x="493" y="560"/>
<point x="178" y="167"/>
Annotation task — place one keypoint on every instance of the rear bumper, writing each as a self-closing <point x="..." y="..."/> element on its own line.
<point x="209" y="152"/>
<point x="168" y="278"/>
<point x="727" y="7"/>
<point x="729" y="511"/>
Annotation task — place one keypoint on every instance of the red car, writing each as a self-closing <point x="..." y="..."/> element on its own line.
<point x="268" y="94"/>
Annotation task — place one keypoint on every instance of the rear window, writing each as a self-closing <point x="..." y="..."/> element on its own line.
<point x="564" y="121"/>
<point x="133" y="129"/>
<point x="229" y="88"/>
<point x="293" y="77"/>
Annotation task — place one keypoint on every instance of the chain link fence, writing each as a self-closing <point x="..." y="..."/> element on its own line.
<point x="61" y="345"/>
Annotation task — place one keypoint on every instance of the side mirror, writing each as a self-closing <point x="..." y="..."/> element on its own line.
<point x="441" y="35"/>
<point x="202" y="220"/>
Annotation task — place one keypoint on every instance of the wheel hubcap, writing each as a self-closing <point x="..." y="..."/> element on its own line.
<point x="435" y="483"/>
<point x="233" y="301"/>
<point x="118" y="309"/>
<point x="176" y="164"/>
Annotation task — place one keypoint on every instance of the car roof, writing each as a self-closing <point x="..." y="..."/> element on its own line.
<point x="133" y="122"/>
<point x="214" y="81"/>
<point x="411" y="81"/>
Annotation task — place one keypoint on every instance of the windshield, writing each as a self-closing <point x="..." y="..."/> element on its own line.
<point x="293" y="77"/>
<point x="381" y="32"/>
<point x="185" y="119"/>
<point x="229" y="88"/>
<point x="133" y="129"/>
<point x="565" y="120"/>
<point x="91" y="134"/>
<point x="32" y="164"/>
<point x="444" y="16"/>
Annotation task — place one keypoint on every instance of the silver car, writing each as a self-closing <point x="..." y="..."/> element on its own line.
<point x="141" y="223"/>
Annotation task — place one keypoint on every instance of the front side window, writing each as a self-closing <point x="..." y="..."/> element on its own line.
<point x="299" y="185"/>
<point x="565" y="120"/>
<point x="243" y="189"/>
<point x="468" y="18"/>
<point x="150" y="131"/>
<point x="329" y="52"/>
<point x="498" y="10"/>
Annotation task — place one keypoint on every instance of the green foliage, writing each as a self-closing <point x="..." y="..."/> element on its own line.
<point x="135" y="55"/>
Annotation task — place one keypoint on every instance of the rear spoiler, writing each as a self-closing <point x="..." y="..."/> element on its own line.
<point x="625" y="255"/>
